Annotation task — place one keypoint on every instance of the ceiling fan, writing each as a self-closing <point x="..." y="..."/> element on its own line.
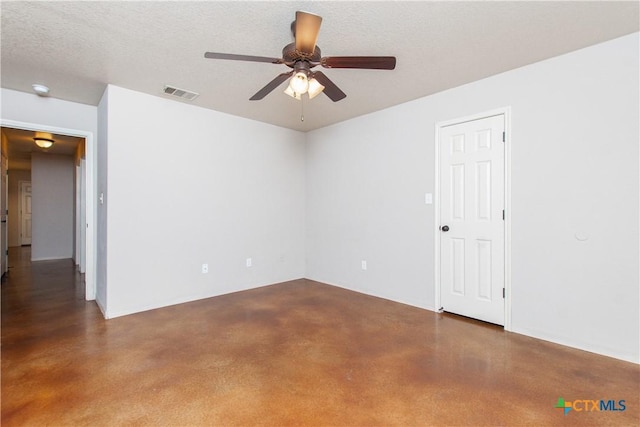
<point x="301" y="56"/>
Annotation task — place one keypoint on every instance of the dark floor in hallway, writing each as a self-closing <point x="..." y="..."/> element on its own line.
<point x="296" y="353"/>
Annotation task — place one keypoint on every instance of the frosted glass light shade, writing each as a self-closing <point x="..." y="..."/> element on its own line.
<point x="43" y="142"/>
<point x="292" y="94"/>
<point x="299" y="83"/>
<point x="315" y="88"/>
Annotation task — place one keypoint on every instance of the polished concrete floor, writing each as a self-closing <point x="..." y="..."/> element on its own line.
<point x="296" y="353"/>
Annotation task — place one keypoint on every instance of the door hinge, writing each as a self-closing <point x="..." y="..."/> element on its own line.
<point x="503" y="214"/>
<point x="503" y="293"/>
<point x="504" y="136"/>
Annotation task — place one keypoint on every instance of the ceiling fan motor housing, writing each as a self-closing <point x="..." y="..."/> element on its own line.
<point x="302" y="66"/>
<point x="291" y="55"/>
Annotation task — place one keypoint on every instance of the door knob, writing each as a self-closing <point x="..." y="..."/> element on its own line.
<point x="444" y="228"/>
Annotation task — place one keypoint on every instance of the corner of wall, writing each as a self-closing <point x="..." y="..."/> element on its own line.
<point x="101" y="207"/>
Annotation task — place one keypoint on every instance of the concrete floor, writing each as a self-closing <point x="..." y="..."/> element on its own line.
<point x="296" y="353"/>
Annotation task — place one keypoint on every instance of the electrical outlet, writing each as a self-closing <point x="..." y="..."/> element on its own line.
<point x="249" y="262"/>
<point x="364" y="265"/>
<point x="205" y="268"/>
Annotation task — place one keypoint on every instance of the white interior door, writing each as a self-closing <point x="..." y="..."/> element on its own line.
<point x="472" y="232"/>
<point x="25" y="212"/>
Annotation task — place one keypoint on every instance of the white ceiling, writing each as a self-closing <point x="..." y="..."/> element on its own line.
<point x="76" y="48"/>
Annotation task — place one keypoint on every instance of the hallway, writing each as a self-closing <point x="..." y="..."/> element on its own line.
<point x="296" y="353"/>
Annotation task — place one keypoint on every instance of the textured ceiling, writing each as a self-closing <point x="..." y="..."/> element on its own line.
<point x="76" y="48"/>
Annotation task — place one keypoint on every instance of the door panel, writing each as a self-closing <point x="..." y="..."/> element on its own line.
<point x="457" y="190"/>
<point x="471" y="205"/>
<point x="457" y="266"/>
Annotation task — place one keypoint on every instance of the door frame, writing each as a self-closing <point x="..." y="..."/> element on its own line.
<point x="90" y="193"/>
<point x="506" y="112"/>
<point x="81" y="229"/>
<point x="20" y="193"/>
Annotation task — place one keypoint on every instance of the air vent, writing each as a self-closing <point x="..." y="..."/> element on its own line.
<point x="180" y="93"/>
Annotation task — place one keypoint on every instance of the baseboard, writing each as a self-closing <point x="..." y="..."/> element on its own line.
<point x="50" y="258"/>
<point x="376" y="295"/>
<point x="102" y="309"/>
<point x="601" y="351"/>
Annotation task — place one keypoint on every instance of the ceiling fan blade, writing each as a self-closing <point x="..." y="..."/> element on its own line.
<point x="271" y="86"/>
<point x="366" y="62"/>
<point x="231" y="56"/>
<point x="330" y="88"/>
<point x="306" y="33"/>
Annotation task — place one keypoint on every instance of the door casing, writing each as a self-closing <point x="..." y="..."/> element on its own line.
<point x="506" y="111"/>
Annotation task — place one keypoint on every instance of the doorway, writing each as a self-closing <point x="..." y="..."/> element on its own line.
<point x="471" y="217"/>
<point x="88" y="197"/>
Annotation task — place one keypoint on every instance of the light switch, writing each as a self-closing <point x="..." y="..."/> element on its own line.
<point x="428" y="198"/>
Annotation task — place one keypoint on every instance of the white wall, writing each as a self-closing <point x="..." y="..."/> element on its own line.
<point x="52" y="195"/>
<point x="188" y="186"/>
<point x="15" y="176"/>
<point x="30" y="108"/>
<point x="101" y="209"/>
<point x="575" y="169"/>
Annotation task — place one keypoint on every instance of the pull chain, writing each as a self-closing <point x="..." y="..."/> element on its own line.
<point x="302" y="108"/>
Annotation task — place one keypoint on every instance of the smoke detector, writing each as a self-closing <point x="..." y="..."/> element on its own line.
<point x="40" y="90"/>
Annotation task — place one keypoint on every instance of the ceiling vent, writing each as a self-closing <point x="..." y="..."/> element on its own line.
<point x="180" y="93"/>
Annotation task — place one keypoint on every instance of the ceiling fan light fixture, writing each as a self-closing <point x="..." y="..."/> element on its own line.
<point x="302" y="55"/>
<point x="299" y="83"/>
<point x="292" y="94"/>
<point x="315" y="88"/>
<point x="43" y="142"/>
